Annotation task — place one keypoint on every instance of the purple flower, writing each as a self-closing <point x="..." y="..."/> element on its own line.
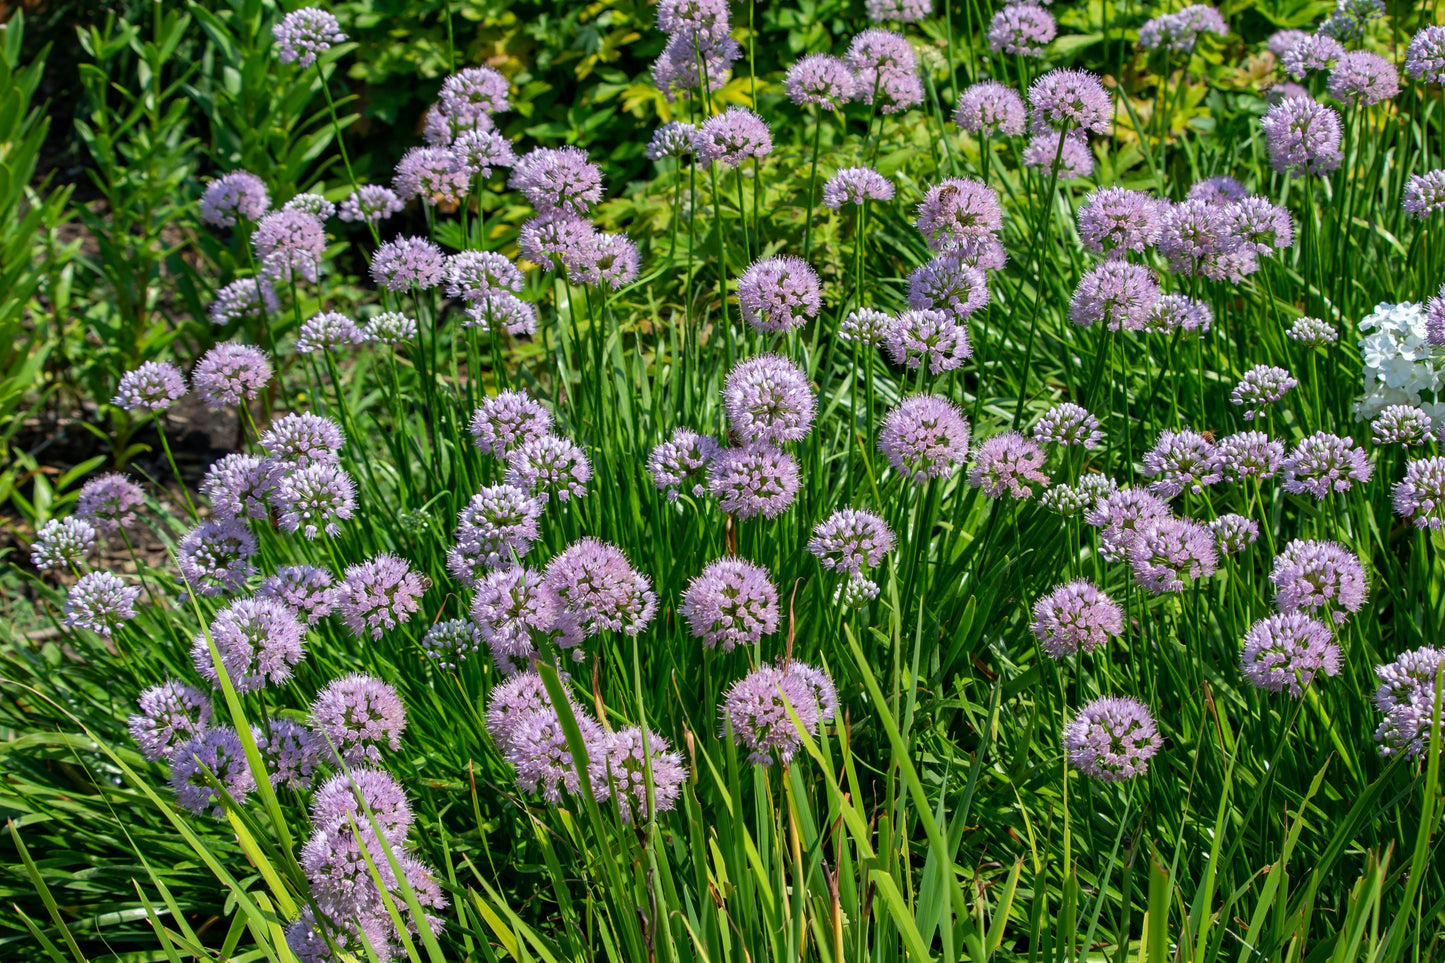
<point x="1121" y="516"/>
<point x="933" y="335"/>
<point x="1248" y="454"/>
<point x="511" y="703"/>
<point x="850" y="540"/>
<point x="856" y="185"/>
<point x="305" y="589"/>
<point x="779" y="293"/>
<point x="757" y="479"/>
<point x="1311" y="52"/>
<point x="1425" y="56"/>
<point x="1425" y="194"/>
<point x="327" y="331"/>
<point x="1218" y="191"/>
<point x="672" y="139"/>
<point x="768" y="398"/>
<point x="475" y="274"/>
<point x="549" y="467"/>
<point x="1114" y="221"/>
<point x="358" y="795"/>
<point x="305" y="939"/>
<point x="314" y="498"/>
<point x="1401" y="425"/>
<point x="819" y="684"/>
<point x="1175" y="312"/>
<point x="608" y="258"/>
<point x="1420" y="495"/>
<point x="548" y="239"/>
<point x="303" y="439"/>
<point x="1301" y="133"/>
<point x="170" y="713"/>
<point x="1117" y="293"/>
<point x="1435" y="318"/>
<point x="1066" y="153"/>
<point x="1180" y="31"/>
<point x="1312" y="576"/>
<point x="238" y="194"/>
<point x="477" y="152"/>
<point x="289" y="752"/>
<point x="819" y="79"/>
<point x="1191" y="233"/>
<point x="693" y="18"/>
<point x="952" y="286"/>
<point x="542" y="757"/>
<point x="1112" y="739"/>
<point x="304" y="33"/>
<point x="956" y="208"/>
<point x="1258" y="226"/>
<point x="676" y="69"/>
<point x="733" y="602"/>
<point x="599" y="587"/>
<point x="1322" y="463"/>
<point x="1007" y="463"/>
<point x="474" y="91"/>
<point x="1167" y="552"/>
<point x="1406" y="696"/>
<point x="866" y="326"/>
<point x="1312" y="332"/>
<point x="100" y="601"/>
<point x="210" y="753"/>
<point x="1072" y="500"/>
<point x="370" y="202"/>
<point x="855" y="592"/>
<point x="1261" y="386"/>
<point x="515" y="611"/>
<point x="990" y="108"/>
<point x="504" y="421"/>
<point x="1281" y="41"/>
<point x="357" y="716"/>
<point x="1021" y="29"/>
<point x="1068" y="424"/>
<point x="230" y="372"/>
<point x="924" y="437"/>
<point x="755" y="709"/>
<point x="259" y="641"/>
<point x="1234" y="533"/>
<point x="378" y="594"/>
<point x="109" y="502"/>
<point x="1180" y="460"/>
<point x="502" y="311"/>
<point x="620" y="771"/>
<point x="390" y="327"/>
<point x="215" y="557"/>
<point x="244" y="300"/>
<point x="499" y="522"/>
<point x="62" y="542"/>
<point x="1075" y="616"/>
<point x="240" y="485"/>
<point x="885" y="70"/>
<point x="1069" y="100"/>
<point x="983" y="251"/>
<point x="732" y="137"/>
<point x="1363" y="77"/>
<point x="680" y="464"/>
<point x="152" y="387"/>
<point x="432" y="174"/>
<point x="558" y="179"/>
<point x="289" y="243"/>
<point x="1347" y="22"/>
<point x="1285" y="652"/>
<point x="407" y="262"/>
<point x="903" y="11"/>
<point x="313" y="204"/>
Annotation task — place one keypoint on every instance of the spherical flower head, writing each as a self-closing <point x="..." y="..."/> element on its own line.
<point x="732" y="137"/>
<point x="432" y="174"/>
<point x="152" y="387"/>
<point x="289" y="244"/>
<point x="238" y="194"/>
<point x="313" y="204"/>
<point x="1425" y="194"/>
<point x="259" y="641"/>
<point x="1008" y="464"/>
<point x="289" y="752"/>
<point x="1311" y="52"/>
<point x="757" y="479"/>
<point x="672" y="139"/>
<point x="558" y="179"/>
<point x="1181" y="460"/>
<point x="599" y="588"/>
<point x="1435" y="319"/>
<point x="1068" y="424"/>
<point x="1234" y="533"/>
<point x="304" y="33"/>
<point x="755" y="709"/>
<point x="515" y="612"/>
<point x="357" y="716"/>
<point x="1425" y="56"/>
<point x="733" y="602"/>
<point x="244" y="300"/>
<point x="542" y="757"/>
<point x="1363" y="77"/>
<point x="1248" y="454"/>
<point x="602" y="258"/>
<point x="768" y="398"/>
<point x="1021" y="29"/>
<point x="866" y="326"/>
<point x="1176" y="312"/>
<point x="1260" y="387"/>
<point x="676" y="70"/>
<point x="1303" y="136"/>
<point x="1286" y="651"/>
<point x="706" y="19"/>
<point x="1117" y="293"/>
<point x="1319" y="578"/>
<point x="305" y="939"/>
<point x="1191" y="233"/>
<point x="1069" y="100"/>
<point x="556" y="238"/>
<point x="304" y="589"/>
<point x="855" y="592"/>
<point x="406" y="263"/>
<point x="100" y="601"/>
<point x="108" y="502"/>
<point x="475" y="274"/>
<point x="1066" y="153"/>
<point x="1258" y="226"/>
<point x="1072" y="500"/>
<point x="241" y="485"/>
<point x="215" y="557"/>
<point x="339" y="867"/>
<point x="356" y="797"/>
<point x="373" y="203"/>
<point x="1121" y="516"/>
<point x="506" y="420"/>
<point x="503" y="311"/>
<point x="301" y="439"/>
<point x="498" y="525"/>
<point x="213" y="753"/>
<point x="1420" y="495"/>
<point x="315" y="498"/>
<point x="1312" y="332"/>
<point x="511" y="703"/>
<point x="448" y="643"/>
<point x="472" y="92"/>
<point x="856" y="185"/>
<point x="230" y="373"/>
<point x="956" y="290"/>
<point x="1112" y="739"/>
<point x="924" y="437"/>
<point x="1347" y="22"/>
<point x="328" y="331"/>
<point x="680" y="464"/>
<point x="957" y="207"/>
<point x="1075" y="616"/>
<point x="1115" y="221"/>
<point x="1181" y="30"/>
<point x="620" y="772"/>
<point x="390" y="327"/>
<point x="477" y="152"/>
<point x="1401" y="425"/>
<point x="1406" y="696"/>
<point x="902" y="11"/>
<point x="885" y="70"/>
<point x="378" y="594"/>
<point x="821" y="80"/>
<point x="1281" y="41"/>
<point x="1220" y="190"/>
<point x="850" y="540"/>
<point x="549" y="467"/>
<point x="170" y="713"/>
<point x="1322" y="463"/>
<point x="983" y="251"/>
<point x="1170" y="552"/>
<point x="989" y="108"/>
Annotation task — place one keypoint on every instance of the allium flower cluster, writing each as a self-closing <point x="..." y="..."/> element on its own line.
<point x="229" y="373"/>
<point x="733" y="602"/>
<point x="885" y="70"/>
<point x="1347" y="22"/>
<point x="1260" y="387"/>
<point x="768" y="398"/>
<point x="1116" y="293"/>
<point x="1401" y="425"/>
<point x="1435" y="318"/>
<point x="100" y="601"/>
<point x="244" y="300"/>
<point x="315" y="498"/>
<point x="1180" y="30"/>
<point x="216" y="753"/>
<point x="406" y="263"/>
<point x="1068" y="424"/>
<point x="1121" y="516"/>
<point x="1319" y="578"/>
<point x="313" y="204"/>
<point x="756" y="708"/>
<point x="289" y="244"/>
<point x="957" y="208"/>
<point x="867" y="326"/>
<point x="680" y="464"/>
<point x="327" y="331"/>
<point x="924" y="437"/>
<point x="237" y="194"/>
<point x="1312" y="332"/>
<point x="1072" y="500"/>
<point x="215" y="557"/>
<point x="850" y="540"/>
<point x="619" y="769"/>
<point x="672" y="139"/>
<point x="558" y="179"/>
<point x="499" y="522"/>
<point x="1112" y="739"/>
<point x="1169" y="552"/>
<point x="1248" y="454"/>
<point x="109" y="502"/>
<point x="305" y="589"/>
<point x="170" y="713"/>
<point x="507" y="419"/>
<point x="475" y="274"/>
<point x="1420" y="495"/>
<point x="856" y="185"/>
<point x="370" y="202"/>
<point x="676" y="69"/>
<point x="1304" y="135"/>
<point x="949" y="284"/>
<point x="431" y="174"/>
<point x="304" y="33"/>
<point x="779" y="293"/>
<point x="1192" y="233"/>
<point x="732" y="137"/>
<point x="241" y="485"/>
<point x="903" y="11"/>
<point x="1255" y="225"/>
<point x="302" y="439"/>
<point x="1067" y="154"/>
<point x="1425" y="193"/>
<point x="357" y="716"/>
<point x="152" y="387"/>
<point x="819" y="79"/>
<point x="934" y="336"/>
<point x="550" y="239"/>
<point x="1065" y="100"/>
<point x="598" y="587"/>
<point x="1114" y="221"/>
<point x="1180" y="460"/>
<point x="1075" y="616"/>
<point x="1310" y="53"/>
<point x="390" y="327"/>
<point x="450" y="642"/>
<point x="1234" y="533"/>
<point x="988" y="108"/>
<point x="1406" y="697"/>
<point x="1176" y="312"/>
<point x="1425" y="56"/>
<point x="378" y="594"/>
<point x="258" y="640"/>
<point x="1322" y="463"/>
<point x="477" y="152"/>
<point x="1286" y="651"/>
<point x="514" y="611"/>
<point x="756" y="479"/>
<point x="549" y="467"/>
<point x="473" y="92"/>
<point x="1021" y="29"/>
<point x="1363" y="77"/>
<point x="1008" y="464"/>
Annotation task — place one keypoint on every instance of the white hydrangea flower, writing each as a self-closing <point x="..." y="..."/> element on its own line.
<point x="1399" y="362"/>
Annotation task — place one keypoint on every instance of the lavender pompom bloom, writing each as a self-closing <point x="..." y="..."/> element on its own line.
<point x="215" y="557"/>
<point x="511" y="704"/>
<point x="407" y="262"/>
<point x="314" y="498"/>
<point x="1420" y="495"/>
<point x="819" y="79"/>
<point x="244" y="300"/>
<point x="1363" y="77"/>
<point x="1069" y="100"/>
<point x="1425" y="56"/>
<point x="1007" y="463"/>
<point x="514" y="611"/>
<point x="217" y="751"/>
<point x="559" y="179"/>
<point x="477" y="152"/>
<point x="680" y="464"/>
<point x="1322" y="463"/>
<point x="1220" y="190"/>
<point x="1068" y="424"/>
<point x="305" y="939"/>
<point x="62" y="542"/>
<point x="1280" y="42"/>
<point x="170" y="713"/>
<point x="956" y="208"/>
<point x="100" y="601"/>
<point x="676" y="69"/>
<point x="933" y="335"/>
<point x="1169" y="551"/>
<point x="990" y="108"/>
<point x="732" y="137"/>
<point x="1425" y="194"/>
<point x="504" y="311"/>
<point x="229" y="373"/>
<point x="1406" y="696"/>
<point x="623" y="763"/>
<point x="599" y="588"/>
<point x="506" y="420"/>
<point x="328" y="331"/>
<point x="1260" y="387"/>
<point x="304" y="33"/>
<point x="1348" y="20"/>
<point x="1066" y="153"/>
<point x="1192" y="232"/>
<point x="499" y="522"/>
<point x="313" y="204"/>
<point x="1176" y="312"/>
<point x="924" y="437"/>
<point x="1435" y="318"/>
<point x="304" y="589"/>
<point x="303" y="439"/>
<point x="549" y="467"/>
<point x="950" y="285"/>
<point x="472" y="92"/>
<point x="357" y="716"/>
<point x="856" y="185"/>
<point x="289" y="753"/>
<point x="370" y="202"/>
<point x="378" y="594"/>
<point x="608" y="258"/>
<point x="237" y="194"/>
<point x="1312" y="332"/>
<point x="1258" y="226"/>
<point x="1112" y="739"/>
<point x="850" y="540"/>
<point x="432" y="174"/>
<point x="1312" y="576"/>
<point x="289" y="244"/>
<point x="1311" y="52"/>
<point x="885" y="70"/>
<point x="1248" y="454"/>
<point x="983" y="251"/>
<point x="1234" y="533"/>
<point x="693" y="18"/>
<point x="543" y="758"/>
<point x="1072" y="500"/>
<point x="108" y="502"/>
<point x="475" y="274"/>
<point x="1285" y="652"/>
<point x="672" y="139"/>
<point x="1121" y="516"/>
<point x="1114" y="221"/>
<point x="779" y="293"/>
<point x="549" y="239"/>
<point x="1021" y="29"/>
<point x="1117" y="293"/>
<point x="1074" y="617"/>
<point x="338" y="803"/>
<point x="1401" y="425"/>
<point x="757" y="479"/>
<point x="755" y="708"/>
<point x="240" y="486"/>
<point x="768" y="398"/>
<point x="866" y="326"/>
<point x="1181" y="460"/>
<point x="390" y="327"/>
<point x="152" y="387"/>
<point x="450" y="642"/>
<point x="1179" y="31"/>
<point x="1301" y="133"/>
<point x="903" y="11"/>
<point x="259" y="640"/>
<point x="733" y="602"/>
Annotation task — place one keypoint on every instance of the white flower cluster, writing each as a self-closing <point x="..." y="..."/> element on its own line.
<point x="1399" y="361"/>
